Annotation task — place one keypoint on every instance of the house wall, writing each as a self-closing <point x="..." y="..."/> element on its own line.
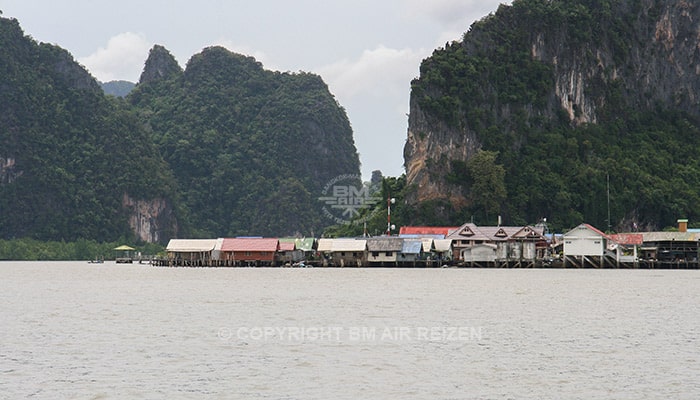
<point x="254" y="256"/>
<point x="290" y="256"/>
<point x="521" y="250"/>
<point x="529" y="250"/>
<point x="189" y="256"/>
<point x="381" y="256"/>
<point x="504" y="250"/>
<point x="348" y="258"/>
<point x="582" y="241"/>
<point x="479" y="254"/>
<point x="584" y="246"/>
<point x="408" y="257"/>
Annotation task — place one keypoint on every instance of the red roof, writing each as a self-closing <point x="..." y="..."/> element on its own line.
<point x="287" y="246"/>
<point x="628" y="238"/>
<point x="250" y="244"/>
<point x="426" y="230"/>
<point x="598" y="231"/>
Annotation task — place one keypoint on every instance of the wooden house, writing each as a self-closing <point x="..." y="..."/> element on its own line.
<point x="663" y="249"/>
<point x="246" y="251"/>
<point x="307" y="246"/>
<point x="191" y="252"/>
<point x="525" y="246"/>
<point x="412" y="252"/>
<point x="343" y="252"/>
<point x="466" y="237"/>
<point x="442" y="250"/>
<point x="626" y="247"/>
<point x="479" y="254"/>
<point x="288" y="252"/>
<point x="383" y="251"/>
<point x="586" y="246"/>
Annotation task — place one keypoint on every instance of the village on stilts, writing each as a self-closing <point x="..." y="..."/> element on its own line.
<point x="468" y="245"/>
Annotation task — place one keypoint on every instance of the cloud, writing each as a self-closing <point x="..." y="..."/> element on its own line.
<point x="379" y="72"/>
<point x="374" y="88"/>
<point x="453" y="12"/>
<point x="453" y="16"/>
<point x="122" y="59"/>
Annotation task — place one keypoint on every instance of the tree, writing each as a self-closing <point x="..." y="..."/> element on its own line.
<point x="488" y="189"/>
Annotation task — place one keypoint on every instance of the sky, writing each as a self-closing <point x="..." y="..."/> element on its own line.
<point x="367" y="51"/>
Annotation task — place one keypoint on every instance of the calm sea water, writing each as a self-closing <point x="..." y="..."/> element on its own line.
<point x="76" y="330"/>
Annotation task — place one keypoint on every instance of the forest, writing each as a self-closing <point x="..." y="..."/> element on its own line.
<point x="221" y="148"/>
<point x="623" y="154"/>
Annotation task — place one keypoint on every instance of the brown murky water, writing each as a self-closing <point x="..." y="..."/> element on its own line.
<point x="76" y="330"/>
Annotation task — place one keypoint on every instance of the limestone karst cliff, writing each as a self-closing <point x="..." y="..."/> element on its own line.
<point x="568" y="93"/>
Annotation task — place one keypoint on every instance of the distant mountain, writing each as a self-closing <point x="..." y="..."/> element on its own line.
<point x="577" y="110"/>
<point x="117" y="88"/>
<point x="73" y="163"/>
<point x="251" y="149"/>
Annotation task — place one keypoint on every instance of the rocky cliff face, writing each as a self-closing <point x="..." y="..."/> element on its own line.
<point x="593" y="57"/>
<point x="160" y="64"/>
<point x="152" y="221"/>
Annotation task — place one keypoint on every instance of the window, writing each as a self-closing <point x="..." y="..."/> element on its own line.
<point x="389" y="253"/>
<point x="375" y="254"/>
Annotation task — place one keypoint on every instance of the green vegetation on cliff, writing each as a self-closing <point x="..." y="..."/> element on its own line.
<point x="68" y="154"/>
<point x="223" y="148"/>
<point x="251" y="149"/>
<point x="569" y="94"/>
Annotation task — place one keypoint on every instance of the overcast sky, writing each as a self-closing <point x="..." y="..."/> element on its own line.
<point x="367" y="51"/>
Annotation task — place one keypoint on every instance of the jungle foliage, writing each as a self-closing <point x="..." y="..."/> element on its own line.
<point x="234" y="149"/>
<point x="490" y="84"/>
<point x="68" y="153"/>
<point x="251" y="149"/>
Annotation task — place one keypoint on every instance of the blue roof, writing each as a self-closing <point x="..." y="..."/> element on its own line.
<point x="412" y="246"/>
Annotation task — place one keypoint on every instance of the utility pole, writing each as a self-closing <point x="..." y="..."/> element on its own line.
<point x="389" y="201"/>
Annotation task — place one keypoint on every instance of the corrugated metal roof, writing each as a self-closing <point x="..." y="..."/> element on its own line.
<point x="305" y="244"/>
<point x="250" y="244"/>
<point x="412" y="246"/>
<point x="530" y="233"/>
<point x="325" y="245"/>
<point x="349" y="245"/>
<point x="287" y="246"/>
<point x="384" y="244"/>
<point x="468" y="231"/>
<point x="499" y="233"/>
<point x="628" y="238"/>
<point x="442" y="245"/>
<point x="343" y="244"/>
<point x="670" y="236"/>
<point x="191" y="245"/>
